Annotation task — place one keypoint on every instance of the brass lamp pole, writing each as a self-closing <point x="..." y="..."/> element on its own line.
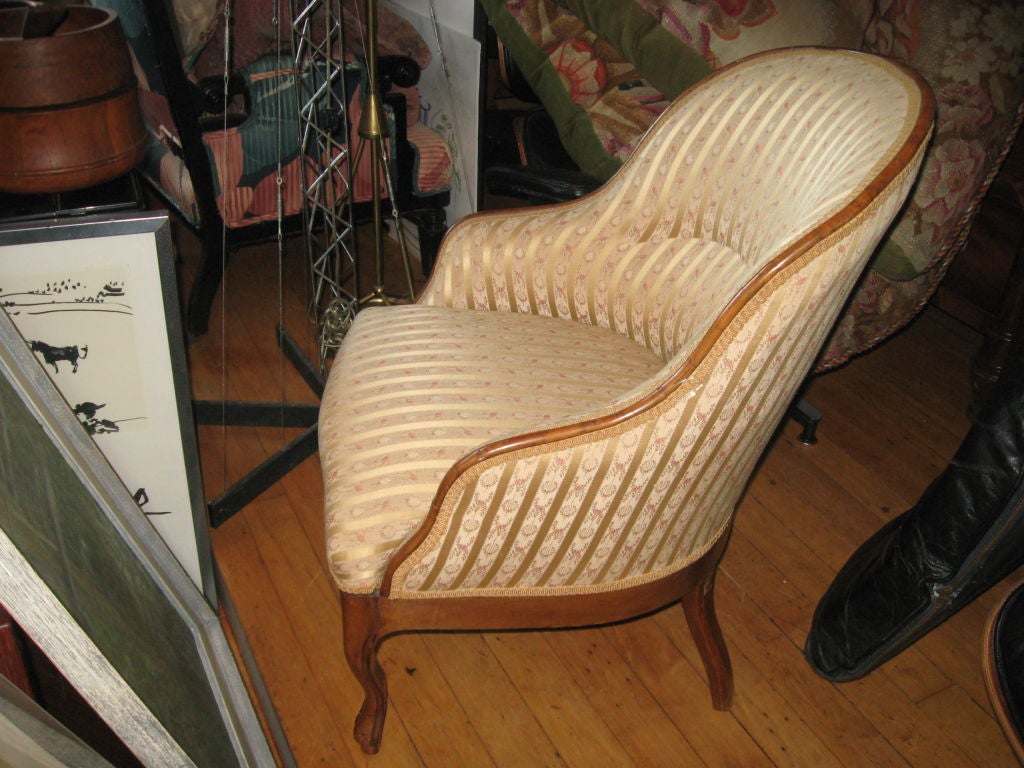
<point x="373" y="131"/>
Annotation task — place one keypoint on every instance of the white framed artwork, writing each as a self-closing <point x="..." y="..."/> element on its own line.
<point x="96" y="301"/>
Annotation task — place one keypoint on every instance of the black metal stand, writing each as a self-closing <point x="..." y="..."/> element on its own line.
<point x="807" y="416"/>
<point x="261" y="414"/>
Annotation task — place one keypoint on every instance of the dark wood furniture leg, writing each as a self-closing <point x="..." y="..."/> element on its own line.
<point x="368" y="619"/>
<point x="362" y="624"/>
<point x="699" y="607"/>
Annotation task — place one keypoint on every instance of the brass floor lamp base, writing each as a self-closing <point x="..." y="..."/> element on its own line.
<point x="371" y="132"/>
<point x="378" y="297"/>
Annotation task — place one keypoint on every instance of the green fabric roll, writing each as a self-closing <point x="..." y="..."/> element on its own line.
<point x="664" y="61"/>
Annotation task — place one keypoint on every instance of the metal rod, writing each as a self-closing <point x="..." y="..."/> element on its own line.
<point x="373" y="129"/>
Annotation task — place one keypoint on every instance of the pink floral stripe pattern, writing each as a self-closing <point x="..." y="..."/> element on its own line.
<point x="687" y="234"/>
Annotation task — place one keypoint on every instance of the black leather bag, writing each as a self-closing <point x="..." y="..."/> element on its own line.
<point x="1004" y="667"/>
<point x="965" y="534"/>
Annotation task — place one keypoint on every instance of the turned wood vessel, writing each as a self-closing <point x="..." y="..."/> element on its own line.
<point x="69" y="107"/>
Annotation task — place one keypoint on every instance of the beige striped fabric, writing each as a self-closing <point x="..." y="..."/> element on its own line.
<point x="419" y="386"/>
<point x="561" y="315"/>
<point x="426" y="385"/>
<point x="634" y="502"/>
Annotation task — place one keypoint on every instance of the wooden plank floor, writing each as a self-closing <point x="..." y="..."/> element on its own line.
<point x="632" y="694"/>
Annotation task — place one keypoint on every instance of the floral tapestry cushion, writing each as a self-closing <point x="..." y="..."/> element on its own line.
<point x="974" y="69"/>
<point x="598" y="98"/>
<point x="605" y="69"/>
<point x="971" y="52"/>
<point x="724" y="31"/>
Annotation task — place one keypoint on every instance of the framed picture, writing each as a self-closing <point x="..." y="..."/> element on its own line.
<point x="94" y="586"/>
<point x="96" y="301"/>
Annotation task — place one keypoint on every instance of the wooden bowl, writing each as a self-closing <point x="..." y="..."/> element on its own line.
<point x="69" y="106"/>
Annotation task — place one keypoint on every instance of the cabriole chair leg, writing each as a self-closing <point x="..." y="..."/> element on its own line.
<point x="699" y="607"/>
<point x="361" y="625"/>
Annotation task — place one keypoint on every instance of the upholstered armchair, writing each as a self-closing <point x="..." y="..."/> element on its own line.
<point x="216" y="164"/>
<point x="558" y="431"/>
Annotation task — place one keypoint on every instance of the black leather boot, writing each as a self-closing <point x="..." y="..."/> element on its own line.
<point x="965" y="534"/>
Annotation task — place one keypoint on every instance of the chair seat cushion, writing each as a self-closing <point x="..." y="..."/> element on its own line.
<point x="414" y="388"/>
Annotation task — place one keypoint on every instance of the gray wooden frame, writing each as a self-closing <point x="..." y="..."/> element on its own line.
<point x="31" y="738"/>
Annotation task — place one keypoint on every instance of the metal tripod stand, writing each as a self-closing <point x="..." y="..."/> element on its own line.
<point x="373" y="132"/>
<point x="329" y="233"/>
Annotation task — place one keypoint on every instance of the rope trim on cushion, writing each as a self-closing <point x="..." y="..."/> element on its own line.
<point x="572" y="589"/>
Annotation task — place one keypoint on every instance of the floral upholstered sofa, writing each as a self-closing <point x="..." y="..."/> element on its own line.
<point x="604" y="69"/>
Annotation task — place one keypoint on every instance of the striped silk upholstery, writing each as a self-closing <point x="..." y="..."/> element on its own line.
<point x="457" y="378"/>
<point x="578" y="398"/>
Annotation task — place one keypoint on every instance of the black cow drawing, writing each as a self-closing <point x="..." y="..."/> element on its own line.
<point x="100" y="426"/>
<point x="52" y="355"/>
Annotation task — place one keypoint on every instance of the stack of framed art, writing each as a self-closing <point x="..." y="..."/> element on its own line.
<point x="104" y="558"/>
